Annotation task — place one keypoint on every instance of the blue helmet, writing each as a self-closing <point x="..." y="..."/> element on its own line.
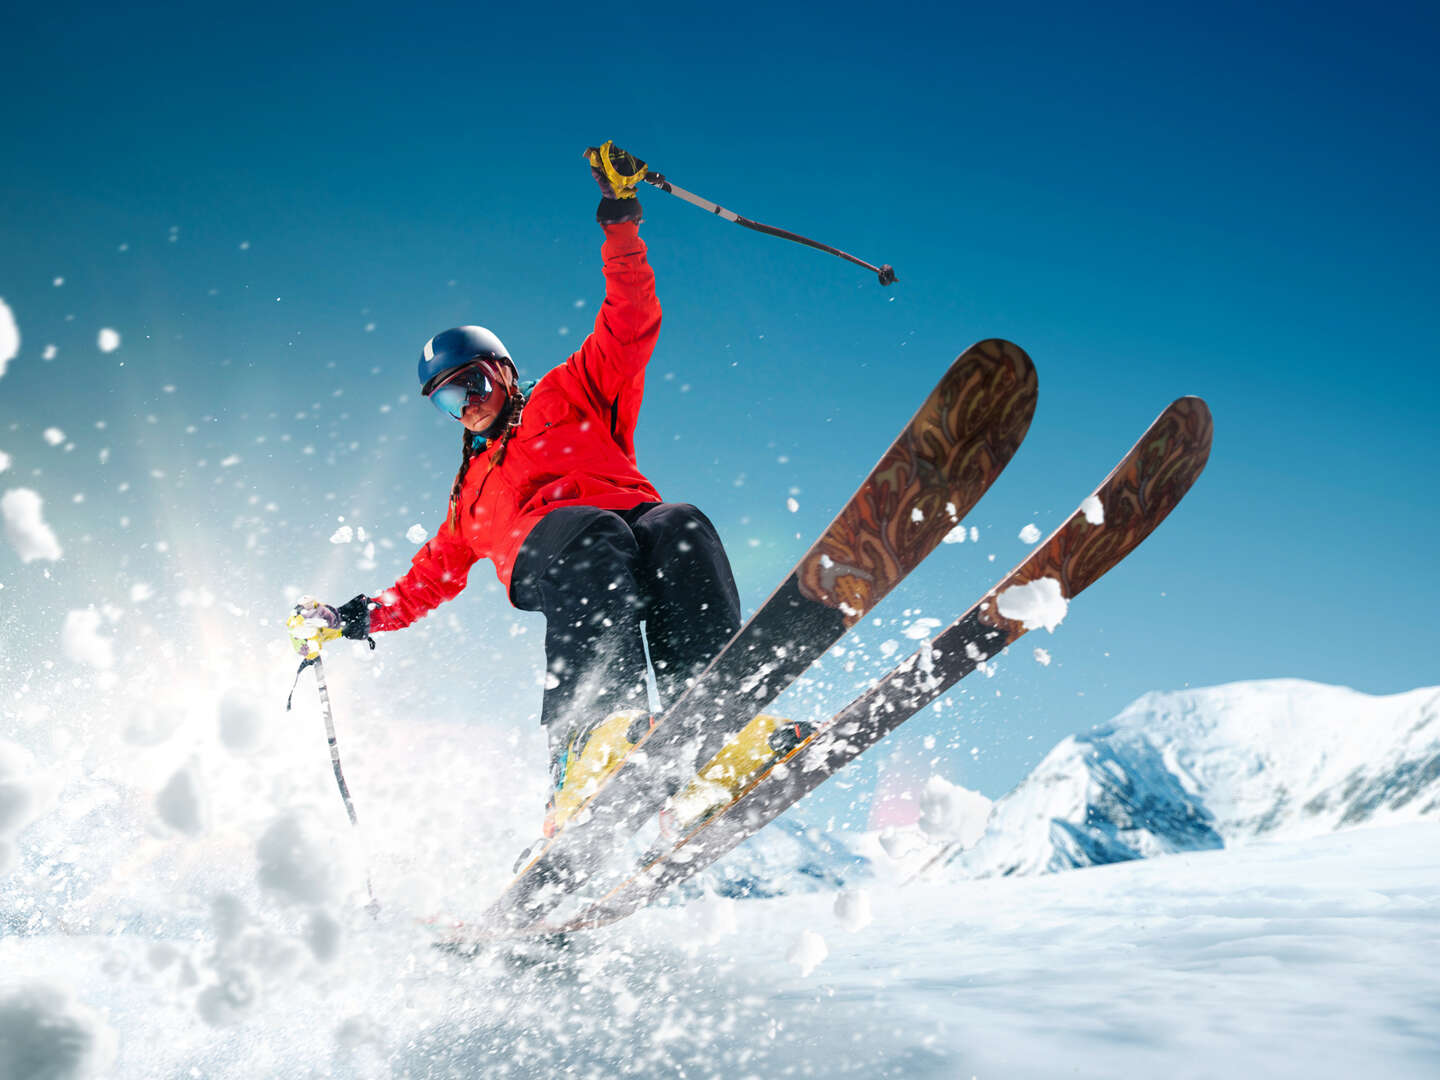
<point x="455" y="348"/>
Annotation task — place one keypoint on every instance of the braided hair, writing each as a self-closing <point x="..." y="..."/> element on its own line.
<point x="473" y="443"/>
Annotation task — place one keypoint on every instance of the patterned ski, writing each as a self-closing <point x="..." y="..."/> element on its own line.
<point x="943" y="461"/>
<point x="1147" y="484"/>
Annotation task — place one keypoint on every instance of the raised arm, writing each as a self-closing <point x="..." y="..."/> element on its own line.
<point x="612" y="358"/>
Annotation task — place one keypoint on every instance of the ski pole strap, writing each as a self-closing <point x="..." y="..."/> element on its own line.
<point x="886" y="272"/>
<point x="303" y="665"/>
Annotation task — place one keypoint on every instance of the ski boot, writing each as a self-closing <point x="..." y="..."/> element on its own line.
<point x="763" y="743"/>
<point x="590" y="759"/>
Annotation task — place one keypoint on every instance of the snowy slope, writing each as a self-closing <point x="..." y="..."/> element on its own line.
<point x="1307" y="959"/>
<point x="1206" y="768"/>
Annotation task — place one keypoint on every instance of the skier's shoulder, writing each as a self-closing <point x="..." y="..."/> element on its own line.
<point x="553" y="396"/>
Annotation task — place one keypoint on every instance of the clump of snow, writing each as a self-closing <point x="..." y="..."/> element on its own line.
<point x="1030" y="534"/>
<point x="920" y="629"/>
<point x="180" y="804"/>
<point x="25" y="526"/>
<point x="108" y="340"/>
<point x="322" y="934"/>
<point x="150" y="726"/>
<point x="81" y="640"/>
<point x="852" y="908"/>
<point x="9" y="336"/>
<point x="241" y="721"/>
<point x="19" y="796"/>
<point x="898" y="843"/>
<point x="715" y="918"/>
<point x="46" y="1035"/>
<point x="954" y="536"/>
<point x="792" y="504"/>
<point x="808" y="952"/>
<point x="952" y="814"/>
<point x="1093" y="510"/>
<point x="298" y="860"/>
<point x="1042" y="657"/>
<point x="1036" y="604"/>
<point x="343" y="535"/>
<point x="4" y="461"/>
<point x="417" y="534"/>
<point x="54" y="436"/>
<point x="140" y="592"/>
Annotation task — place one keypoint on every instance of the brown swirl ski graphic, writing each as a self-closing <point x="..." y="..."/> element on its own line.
<point x="1146" y="485"/>
<point x="1140" y="493"/>
<point x="932" y="475"/>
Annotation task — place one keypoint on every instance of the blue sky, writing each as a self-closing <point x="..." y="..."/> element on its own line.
<point x="277" y="209"/>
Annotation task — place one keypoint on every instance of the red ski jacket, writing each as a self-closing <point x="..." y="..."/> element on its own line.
<point x="575" y="446"/>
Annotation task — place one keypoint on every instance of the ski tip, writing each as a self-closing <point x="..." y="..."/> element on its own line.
<point x="1199" y="422"/>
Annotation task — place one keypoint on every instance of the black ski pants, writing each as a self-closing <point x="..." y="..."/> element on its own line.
<point x="596" y="574"/>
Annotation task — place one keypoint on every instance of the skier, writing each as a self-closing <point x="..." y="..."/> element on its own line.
<point x="549" y="490"/>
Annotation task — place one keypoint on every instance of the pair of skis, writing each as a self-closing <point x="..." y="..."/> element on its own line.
<point x="942" y="463"/>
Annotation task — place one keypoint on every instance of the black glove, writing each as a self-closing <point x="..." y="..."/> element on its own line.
<point x="614" y="211"/>
<point x="355" y="618"/>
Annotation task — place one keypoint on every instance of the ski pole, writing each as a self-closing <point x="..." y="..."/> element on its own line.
<point x="298" y="625"/>
<point x="601" y="158"/>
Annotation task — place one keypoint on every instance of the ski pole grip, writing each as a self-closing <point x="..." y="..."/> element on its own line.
<point x="887" y="273"/>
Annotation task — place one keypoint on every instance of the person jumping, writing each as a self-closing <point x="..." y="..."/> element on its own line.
<point x="549" y="490"/>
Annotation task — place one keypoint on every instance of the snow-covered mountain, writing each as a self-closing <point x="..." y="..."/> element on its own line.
<point x="1207" y="768"/>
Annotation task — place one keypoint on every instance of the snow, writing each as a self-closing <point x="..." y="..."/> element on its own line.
<point x="1093" y="510"/>
<point x="4" y="461"/>
<point x="1042" y="656"/>
<point x="242" y="721"/>
<point x="343" y="535"/>
<point x="952" y="814"/>
<point x="81" y="640"/>
<point x="416" y="534"/>
<point x="1030" y="534"/>
<point x="9" y="336"/>
<point x="108" y="340"/>
<point x="298" y="861"/>
<point x="1035" y="604"/>
<point x="227" y="956"/>
<point x="25" y="526"/>
<point x="180" y="803"/>
<point x="54" y="436"/>
<point x="20" y="796"/>
<point x="852" y="909"/>
<point x="808" y="952"/>
<point x="921" y="628"/>
<point x="1219" y="766"/>
<point x="46" y="1035"/>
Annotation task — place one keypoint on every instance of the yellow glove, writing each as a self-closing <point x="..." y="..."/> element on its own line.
<point x="616" y="171"/>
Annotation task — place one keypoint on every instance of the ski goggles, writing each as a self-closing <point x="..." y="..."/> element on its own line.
<point x="466" y="386"/>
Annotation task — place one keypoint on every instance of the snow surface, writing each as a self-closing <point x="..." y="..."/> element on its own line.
<point x="1296" y="959"/>
<point x="1219" y="766"/>
<point x="237" y="945"/>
